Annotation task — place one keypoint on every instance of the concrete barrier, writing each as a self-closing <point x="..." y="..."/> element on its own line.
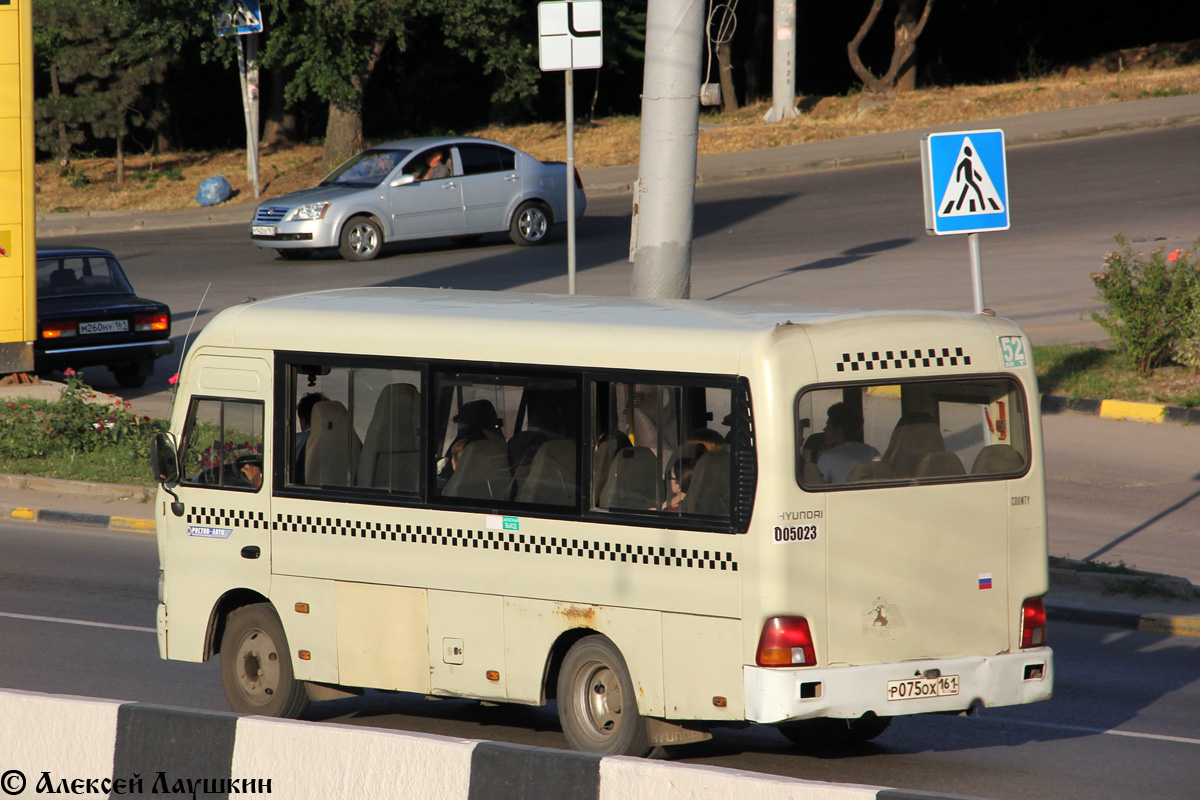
<point x="55" y="745"/>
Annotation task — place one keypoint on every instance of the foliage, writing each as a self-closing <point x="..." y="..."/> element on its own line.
<point x="1148" y="301"/>
<point x="101" y="57"/>
<point x="81" y="425"/>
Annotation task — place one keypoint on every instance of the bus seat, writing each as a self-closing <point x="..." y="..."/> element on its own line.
<point x="812" y="474"/>
<point x="391" y="451"/>
<point x="709" y="490"/>
<point x="914" y="437"/>
<point x="333" y="446"/>
<point x="551" y="477"/>
<point x="482" y="472"/>
<point x="632" y="480"/>
<point x="870" y="471"/>
<point x="997" y="458"/>
<point x="602" y="455"/>
<point x="945" y="463"/>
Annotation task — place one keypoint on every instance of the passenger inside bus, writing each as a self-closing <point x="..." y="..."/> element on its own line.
<point x="844" y="445"/>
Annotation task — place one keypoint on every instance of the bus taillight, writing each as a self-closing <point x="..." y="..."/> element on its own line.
<point x="786" y="642"/>
<point x="1033" y="623"/>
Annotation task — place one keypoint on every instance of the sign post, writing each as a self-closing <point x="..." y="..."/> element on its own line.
<point x="242" y="18"/>
<point x="965" y="178"/>
<point x="569" y="38"/>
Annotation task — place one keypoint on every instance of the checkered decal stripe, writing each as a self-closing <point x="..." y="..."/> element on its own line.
<point x="227" y="518"/>
<point x="508" y="541"/>
<point x="901" y="359"/>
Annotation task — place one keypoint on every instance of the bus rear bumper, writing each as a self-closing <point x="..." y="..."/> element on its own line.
<point x="778" y="695"/>
<point x="161" y="625"/>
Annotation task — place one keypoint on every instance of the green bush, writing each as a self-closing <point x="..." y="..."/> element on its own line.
<point x="1149" y="299"/>
<point x="82" y="426"/>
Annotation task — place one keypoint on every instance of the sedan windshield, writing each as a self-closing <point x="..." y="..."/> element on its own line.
<point x="80" y="275"/>
<point x="368" y="168"/>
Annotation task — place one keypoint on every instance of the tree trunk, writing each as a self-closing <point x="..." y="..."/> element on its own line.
<point x="121" y="150"/>
<point x="343" y="132"/>
<point x="904" y="51"/>
<point x="163" y="140"/>
<point x="280" y="127"/>
<point x="906" y="23"/>
<point x="729" y="101"/>
<point x="761" y="40"/>
<point x="64" y="141"/>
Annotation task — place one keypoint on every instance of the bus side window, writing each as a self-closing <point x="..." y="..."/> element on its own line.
<point x="223" y="444"/>
<point x="661" y="448"/>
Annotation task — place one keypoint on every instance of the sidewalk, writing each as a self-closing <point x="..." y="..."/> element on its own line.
<point x="856" y="151"/>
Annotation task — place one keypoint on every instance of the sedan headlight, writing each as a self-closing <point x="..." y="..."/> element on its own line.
<point x="310" y="211"/>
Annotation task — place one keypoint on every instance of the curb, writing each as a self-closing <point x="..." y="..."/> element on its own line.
<point x="141" y="749"/>
<point x="108" y="522"/>
<point x="1120" y="409"/>
<point x="1129" y="620"/>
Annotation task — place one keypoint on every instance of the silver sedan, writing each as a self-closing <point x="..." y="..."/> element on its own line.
<point x="418" y="189"/>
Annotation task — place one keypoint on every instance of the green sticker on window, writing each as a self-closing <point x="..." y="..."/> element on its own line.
<point x="1012" y="352"/>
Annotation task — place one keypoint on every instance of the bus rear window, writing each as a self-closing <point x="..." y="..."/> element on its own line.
<point x="918" y="432"/>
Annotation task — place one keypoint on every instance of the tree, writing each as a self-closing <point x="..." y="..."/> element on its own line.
<point x="334" y="46"/>
<point x="106" y="53"/>
<point x="497" y="35"/>
<point x="906" y="28"/>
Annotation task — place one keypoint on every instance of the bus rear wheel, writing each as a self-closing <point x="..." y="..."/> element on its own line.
<point x="256" y="669"/>
<point x="597" y="705"/>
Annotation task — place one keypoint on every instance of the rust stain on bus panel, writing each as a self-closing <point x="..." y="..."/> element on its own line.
<point x="576" y="615"/>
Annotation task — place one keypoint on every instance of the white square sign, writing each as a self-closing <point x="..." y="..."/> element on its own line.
<point x="569" y="35"/>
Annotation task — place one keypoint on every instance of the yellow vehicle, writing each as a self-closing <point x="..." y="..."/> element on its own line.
<point x="18" y="295"/>
<point x="616" y="503"/>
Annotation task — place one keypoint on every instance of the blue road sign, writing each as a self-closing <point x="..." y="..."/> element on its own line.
<point x="965" y="175"/>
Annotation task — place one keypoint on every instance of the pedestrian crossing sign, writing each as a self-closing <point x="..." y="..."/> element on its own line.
<point x="965" y="175"/>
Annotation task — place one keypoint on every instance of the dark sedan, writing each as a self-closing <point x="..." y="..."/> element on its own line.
<point x="88" y="316"/>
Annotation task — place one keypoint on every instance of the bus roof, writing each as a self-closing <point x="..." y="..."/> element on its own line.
<point x="701" y="336"/>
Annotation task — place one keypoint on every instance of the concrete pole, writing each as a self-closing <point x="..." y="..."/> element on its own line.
<point x="783" y="63"/>
<point x="665" y="193"/>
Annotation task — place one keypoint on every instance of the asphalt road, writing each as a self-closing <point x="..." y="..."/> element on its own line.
<point x="77" y="615"/>
<point x="850" y="238"/>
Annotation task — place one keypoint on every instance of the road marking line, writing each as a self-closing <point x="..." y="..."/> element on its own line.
<point x="1082" y="729"/>
<point x="33" y="618"/>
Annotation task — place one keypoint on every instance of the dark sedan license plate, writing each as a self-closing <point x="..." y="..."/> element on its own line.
<point x="104" y="326"/>
<point x="916" y="688"/>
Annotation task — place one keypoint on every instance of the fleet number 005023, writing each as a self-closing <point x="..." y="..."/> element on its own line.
<point x="796" y="533"/>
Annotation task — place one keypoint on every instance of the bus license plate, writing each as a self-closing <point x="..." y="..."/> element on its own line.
<point x="916" y="688"/>
<point x="105" y="326"/>
<point x="262" y="230"/>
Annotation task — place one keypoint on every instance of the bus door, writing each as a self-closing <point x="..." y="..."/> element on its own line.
<point x="918" y="531"/>
<point x="224" y="487"/>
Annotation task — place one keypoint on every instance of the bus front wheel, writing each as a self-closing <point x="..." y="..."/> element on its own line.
<point x="597" y="705"/>
<point x="256" y="669"/>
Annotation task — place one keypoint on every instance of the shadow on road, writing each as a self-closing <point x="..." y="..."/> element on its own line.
<point x="850" y="256"/>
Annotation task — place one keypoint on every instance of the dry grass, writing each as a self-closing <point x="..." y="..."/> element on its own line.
<point x="170" y="181"/>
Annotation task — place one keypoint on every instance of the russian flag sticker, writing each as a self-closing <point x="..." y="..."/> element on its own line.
<point x="985" y="580"/>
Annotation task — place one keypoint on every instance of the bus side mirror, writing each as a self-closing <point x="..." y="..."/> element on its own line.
<point x="164" y="465"/>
